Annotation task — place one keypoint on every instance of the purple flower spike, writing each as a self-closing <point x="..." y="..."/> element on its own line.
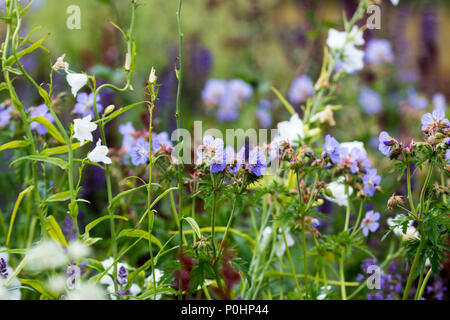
<point x="370" y="223"/>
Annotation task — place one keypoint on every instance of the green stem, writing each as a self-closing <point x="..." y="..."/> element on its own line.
<point x="414" y="267"/>
<point x="305" y="256"/>
<point x="291" y="265"/>
<point x="342" y="276"/>
<point x="424" y="284"/>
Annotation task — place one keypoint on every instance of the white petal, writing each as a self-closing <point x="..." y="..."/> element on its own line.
<point x="76" y="81"/>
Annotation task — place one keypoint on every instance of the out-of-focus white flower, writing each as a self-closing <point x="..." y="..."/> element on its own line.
<point x="411" y="231"/>
<point x="87" y="291"/>
<point x="60" y="64"/>
<point x="354" y="145"/>
<point x="76" y="81"/>
<point x="352" y="57"/>
<point x="395" y="2"/>
<point x="281" y="248"/>
<point x="57" y="284"/>
<point x="77" y="250"/>
<point x="152" y="76"/>
<point x="83" y="128"/>
<point x="323" y="293"/>
<point x="106" y="279"/>
<point x="99" y="153"/>
<point x="45" y="255"/>
<point x="337" y="189"/>
<point x="291" y="130"/>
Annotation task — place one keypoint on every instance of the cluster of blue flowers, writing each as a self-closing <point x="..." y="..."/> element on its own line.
<point x="228" y="96"/>
<point x="355" y="158"/>
<point x="137" y="148"/>
<point x="213" y="154"/>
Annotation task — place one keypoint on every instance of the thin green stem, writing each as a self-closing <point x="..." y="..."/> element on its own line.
<point x="424" y="284"/>
<point x="291" y="265"/>
<point x="412" y="271"/>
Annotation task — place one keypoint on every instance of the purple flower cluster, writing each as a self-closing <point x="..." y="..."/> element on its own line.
<point x="370" y="100"/>
<point x="228" y="96"/>
<point x="85" y="104"/>
<point x="3" y="268"/>
<point x="213" y="154"/>
<point x="301" y="89"/>
<point x="435" y="122"/>
<point x="379" y="51"/>
<point x="40" y="111"/>
<point x="68" y="229"/>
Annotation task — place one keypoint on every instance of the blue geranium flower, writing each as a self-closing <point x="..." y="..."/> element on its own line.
<point x="140" y="152"/>
<point x="331" y="148"/>
<point x="371" y="180"/>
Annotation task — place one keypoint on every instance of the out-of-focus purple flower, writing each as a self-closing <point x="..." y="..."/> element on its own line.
<point x="257" y="162"/>
<point x="415" y="100"/>
<point x="379" y="51"/>
<point x="139" y="153"/>
<point x="301" y="89"/>
<point x="371" y="180"/>
<point x="128" y="141"/>
<point x="85" y="104"/>
<point x="439" y="102"/>
<point x="385" y="143"/>
<point x="434" y="120"/>
<point x="68" y="229"/>
<point x="264" y="118"/>
<point x="315" y="223"/>
<point x="447" y="156"/>
<point x="214" y="91"/>
<point x="5" y="114"/>
<point x="212" y="153"/>
<point x="331" y="148"/>
<point x="369" y="223"/>
<point x="161" y="141"/>
<point x="240" y="90"/>
<point x="370" y="100"/>
<point x="227" y="113"/>
<point x="40" y="111"/>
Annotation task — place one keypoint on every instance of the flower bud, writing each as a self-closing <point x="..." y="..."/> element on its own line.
<point x="109" y="109"/>
<point x="394" y="201"/>
<point x="127" y="65"/>
<point x="152" y="77"/>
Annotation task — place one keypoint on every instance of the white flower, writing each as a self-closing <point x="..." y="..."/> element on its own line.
<point x="83" y="129"/>
<point x="395" y="2"/>
<point x="352" y="57"/>
<point x="57" y="284"/>
<point x="265" y="237"/>
<point x="76" y="81"/>
<point x="411" y="231"/>
<point x="291" y="130"/>
<point x="337" y="189"/>
<point x="12" y="292"/>
<point x="77" y="250"/>
<point x="152" y="77"/>
<point x="86" y="291"/>
<point x="106" y="279"/>
<point x="281" y="248"/>
<point x="99" y="153"/>
<point x="46" y="255"/>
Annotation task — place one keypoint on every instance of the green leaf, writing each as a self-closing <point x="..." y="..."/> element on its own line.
<point x="39" y="287"/>
<point x="59" y="150"/>
<point x="91" y="225"/>
<point x="10" y="61"/>
<point x="55" y="161"/>
<point x="14" y="213"/>
<point x="50" y="128"/>
<point x="115" y="201"/>
<point x="95" y="264"/>
<point x="194" y="226"/>
<point x="60" y="196"/>
<point x="54" y="231"/>
<point x="14" y="145"/>
<point x="138" y="233"/>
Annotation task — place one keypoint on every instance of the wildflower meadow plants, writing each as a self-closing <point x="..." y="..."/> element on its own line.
<point x="204" y="217"/>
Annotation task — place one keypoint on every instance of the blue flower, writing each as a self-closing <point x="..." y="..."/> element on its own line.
<point x="257" y="162"/>
<point x="447" y="156"/>
<point x="85" y="104"/>
<point x="264" y="117"/>
<point x="5" y="114"/>
<point x="370" y="100"/>
<point x="231" y="160"/>
<point x="214" y="91"/>
<point x="239" y="90"/>
<point x="385" y="143"/>
<point x="40" y="111"/>
<point x="331" y="148"/>
<point x="128" y="131"/>
<point x="355" y="159"/>
<point x="439" y="102"/>
<point x="139" y="153"/>
<point x="369" y="223"/>
<point x="379" y="51"/>
<point x="434" y="120"/>
<point x="301" y="89"/>
<point x="161" y="141"/>
<point x="371" y="180"/>
<point x="227" y="113"/>
<point x="212" y="153"/>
